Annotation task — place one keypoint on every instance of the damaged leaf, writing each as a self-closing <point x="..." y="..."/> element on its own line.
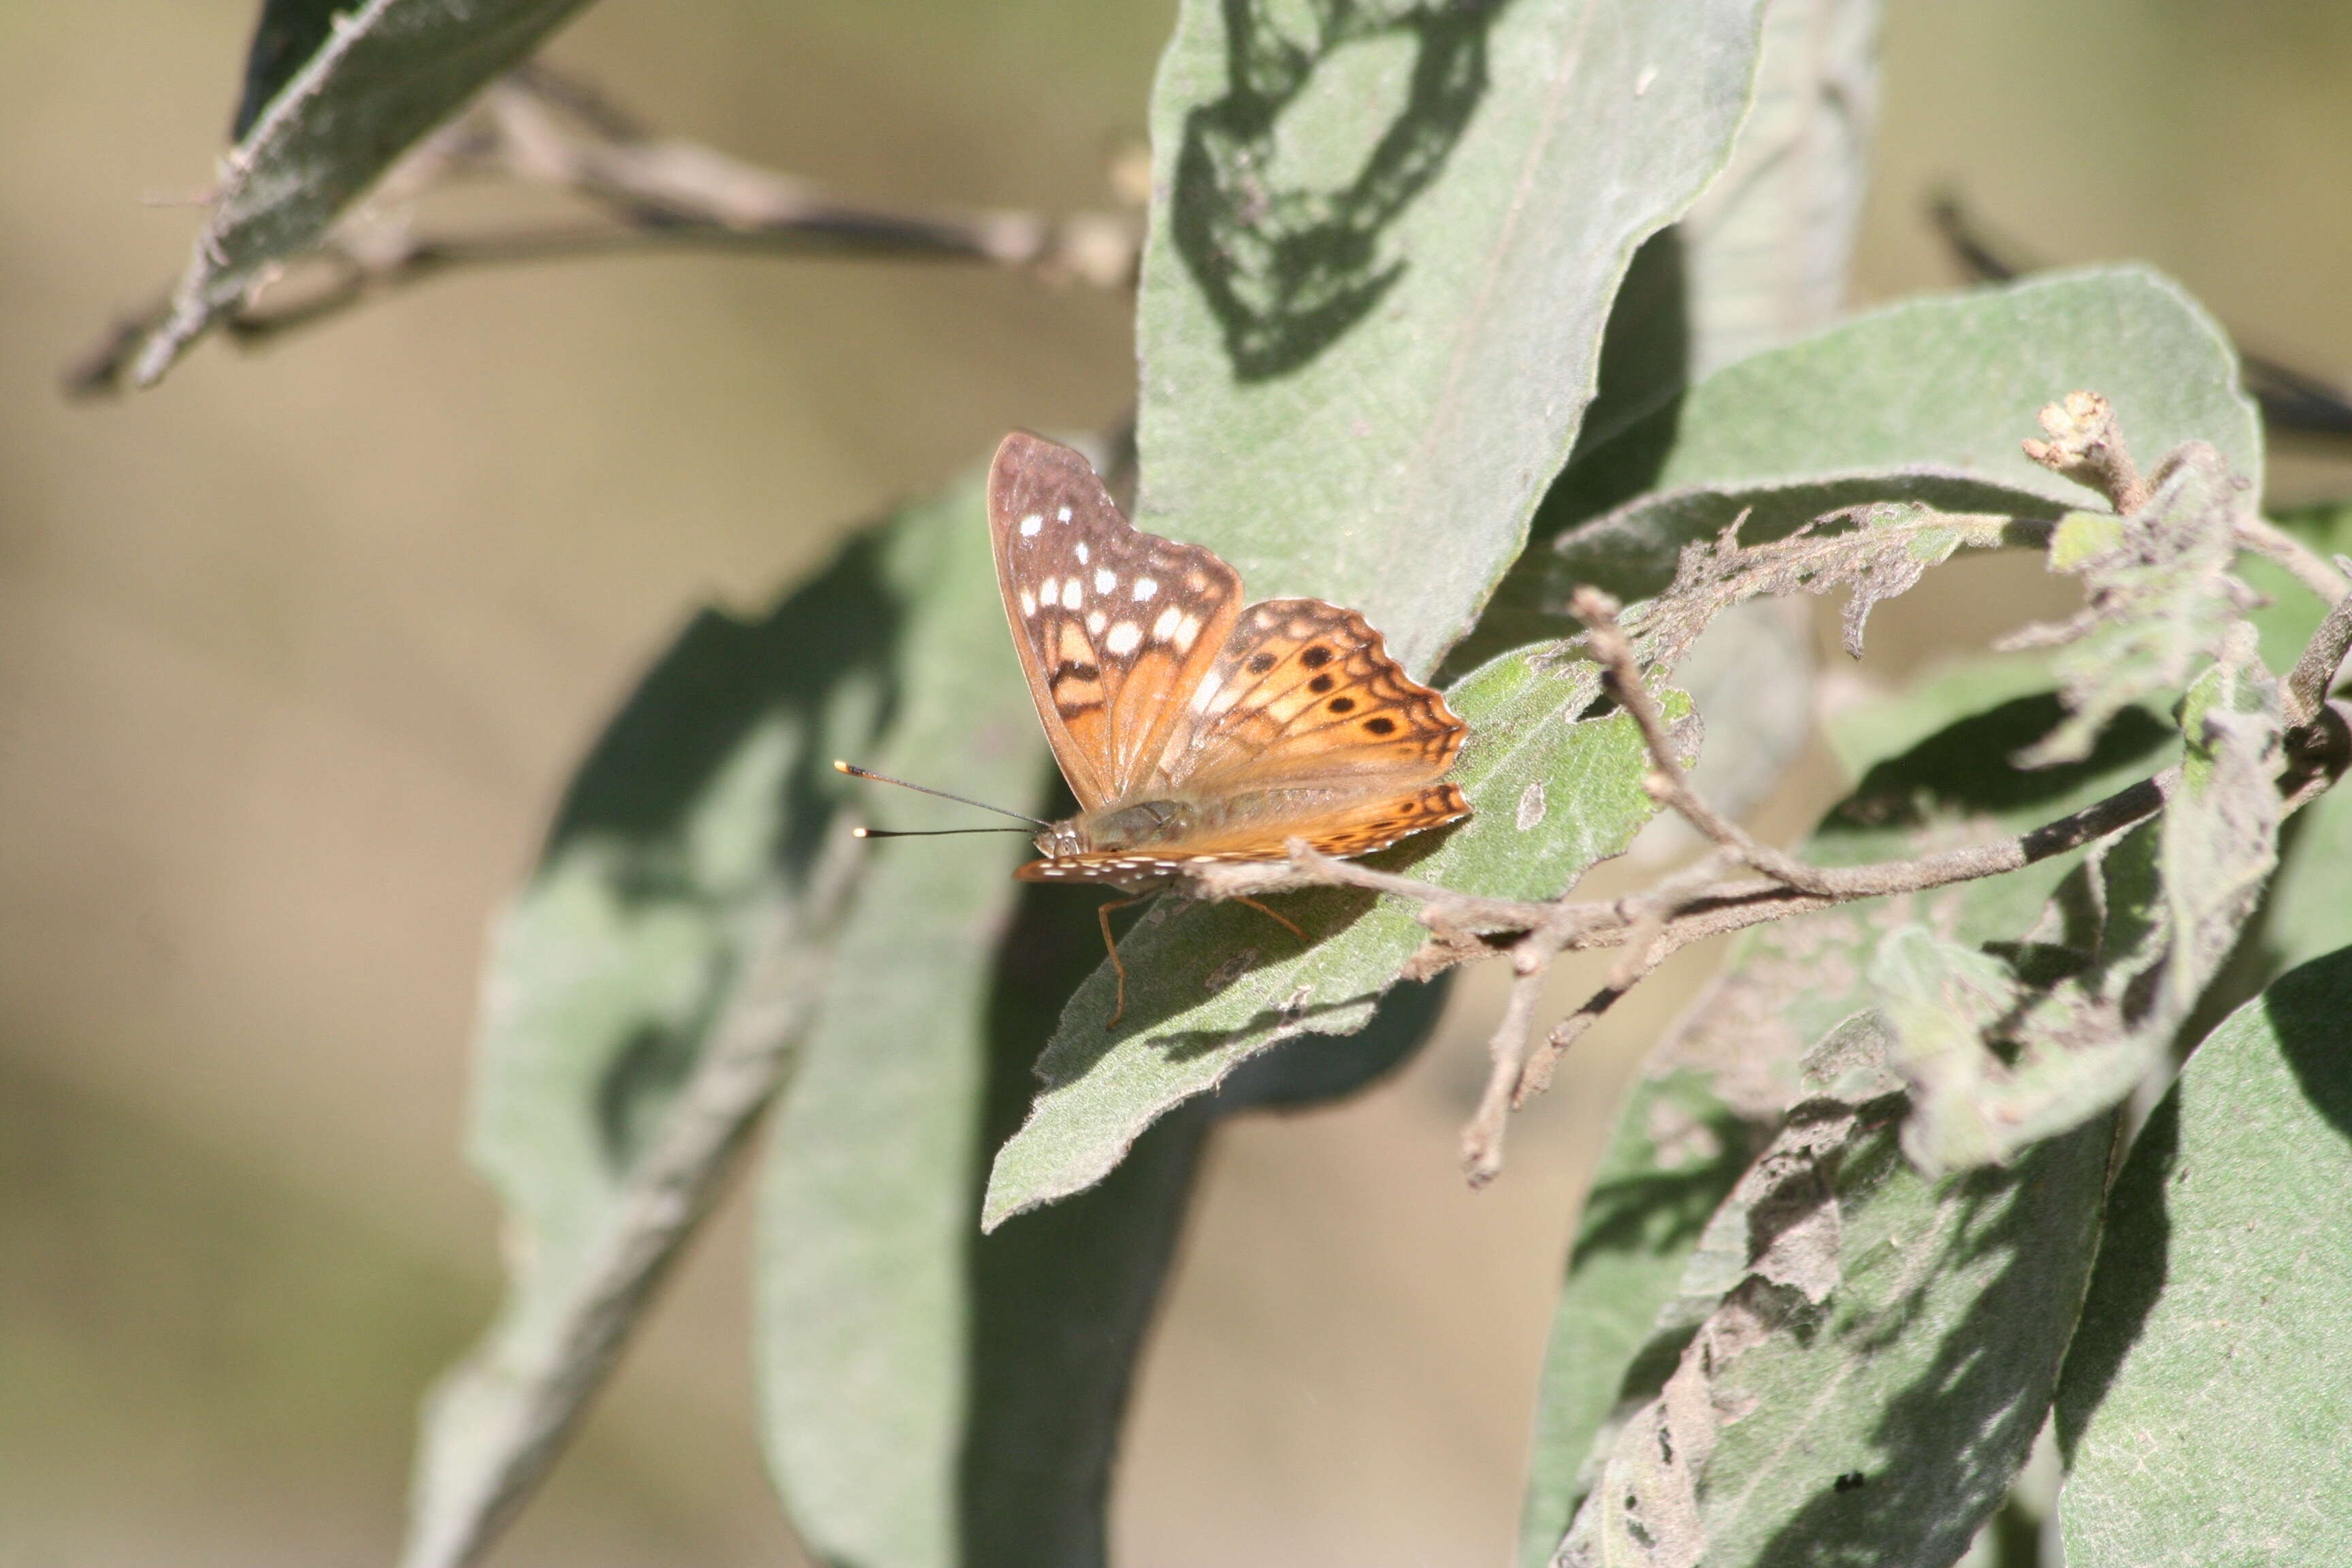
<point x="1924" y="401"/>
<point x="1878" y="552"/>
<point x="2004" y="1049"/>
<point x="1875" y="1369"/>
<point x="1717" y="1087"/>
<point x="2161" y="599"/>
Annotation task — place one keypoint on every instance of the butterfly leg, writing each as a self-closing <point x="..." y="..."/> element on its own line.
<point x="1285" y="922"/>
<point x="1102" y="916"/>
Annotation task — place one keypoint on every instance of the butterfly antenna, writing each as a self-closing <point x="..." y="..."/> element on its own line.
<point x="858" y="773"/>
<point x="924" y="832"/>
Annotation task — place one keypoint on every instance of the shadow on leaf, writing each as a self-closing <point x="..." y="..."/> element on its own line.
<point x="1289" y="270"/>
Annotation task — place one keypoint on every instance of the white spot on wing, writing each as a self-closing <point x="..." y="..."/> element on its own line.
<point x="1144" y="588"/>
<point x="1186" y="630"/>
<point x="1082" y="552"/>
<point x="1063" y="515"/>
<point x="1031" y="524"/>
<point x="1094" y="624"/>
<point x="1123" y="637"/>
<point x="1074" y="594"/>
<point x="1165" y="627"/>
<point x="1028" y="603"/>
<point x="1051" y="593"/>
<point x="1105" y="579"/>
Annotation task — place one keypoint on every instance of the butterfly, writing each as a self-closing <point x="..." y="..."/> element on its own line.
<point x="1196" y="729"/>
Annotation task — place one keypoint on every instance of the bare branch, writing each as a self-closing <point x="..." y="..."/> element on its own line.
<point x="2275" y="543"/>
<point x="2308" y="683"/>
<point x="1667" y="782"/>
<point x="535" y="127"/>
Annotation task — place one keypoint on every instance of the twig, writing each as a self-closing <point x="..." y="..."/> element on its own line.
<point x="2313" y="673"/>
<point x="2268" y="540"/>
<point x="1547" y="928"/>
<point x="536" y="128"/>
<point x="1667" y="783"/>
<point x="2086" y="445"/>
<point x="1482" y="1140"/>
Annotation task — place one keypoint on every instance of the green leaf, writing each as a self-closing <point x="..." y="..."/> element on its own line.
<point x="1384" y="240"/>
<point x="1936" y="772"/>
<point x="1213" y="985"/>
<point x="387" y="72"/>
<point x="289" y="32"/>
<point x="1882" y="1359"/>
<point x="2206" y="1398"/>
<point x="1766" y="248"/>
<point x="1926" y="401"/>
<point x="650" y="985"/>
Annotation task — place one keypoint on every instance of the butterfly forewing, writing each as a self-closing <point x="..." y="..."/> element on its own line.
<point x="1115" y="627"/>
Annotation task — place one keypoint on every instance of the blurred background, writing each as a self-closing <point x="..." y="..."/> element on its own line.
<point x="296" y="651"/>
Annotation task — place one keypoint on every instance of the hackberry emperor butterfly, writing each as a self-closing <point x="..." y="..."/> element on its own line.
<point x="1192" y="730"/>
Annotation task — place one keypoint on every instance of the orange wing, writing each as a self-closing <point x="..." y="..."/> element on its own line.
<point x="1115" y="627"/>
<point x="1304" y="694"/>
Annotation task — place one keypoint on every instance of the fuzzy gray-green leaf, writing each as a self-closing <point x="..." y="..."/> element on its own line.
<point x="652" y="983"/>
<point x="1922" y="401"/>
<point x="388" y="72"/>
<point x="1384" y="241"/>
<point x="2206" y="1398"/>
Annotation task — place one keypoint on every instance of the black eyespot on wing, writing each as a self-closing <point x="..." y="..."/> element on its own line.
<point x="1316" y="658"/>
<point x="1319" y="685"/>
<point x="1260" y="663"/>
<point x="1347" y="705"/>
<point x="1380" y="725"/>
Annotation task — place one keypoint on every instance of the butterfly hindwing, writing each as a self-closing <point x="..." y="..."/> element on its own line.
<point x="1115" y="627"/>
<point x="1305" y="693"/>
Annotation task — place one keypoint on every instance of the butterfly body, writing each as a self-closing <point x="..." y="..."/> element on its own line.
<point x="1196" y="731"/>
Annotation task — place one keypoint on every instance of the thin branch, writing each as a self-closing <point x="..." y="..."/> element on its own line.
<point x="2267" y="539"/>
<point x="1667" y="782"/>
<point x="1548" y="928"/>
<point x="1482" y="1140"/>
<point x="538" y="128"/>
<point x="2313" y="674"/>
